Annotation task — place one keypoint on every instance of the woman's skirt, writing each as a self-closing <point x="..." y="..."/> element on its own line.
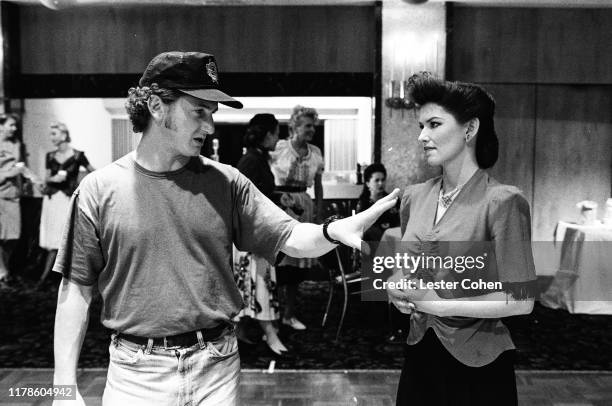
<point x="433" y="376"/>
<point x="300" y="207"/>
<point x="256" y="279"/>
<point x="55" y="211"/>
<point x="10" y="219"/>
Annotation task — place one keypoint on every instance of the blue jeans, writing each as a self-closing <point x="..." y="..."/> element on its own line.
<point x="204" y="374"/>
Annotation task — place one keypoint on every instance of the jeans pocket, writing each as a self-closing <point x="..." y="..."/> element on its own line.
<point x="224" y="347"/>
<point x="122" y="354"/>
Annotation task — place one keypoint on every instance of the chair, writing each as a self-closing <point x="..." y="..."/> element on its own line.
<point x="343" y="279"/>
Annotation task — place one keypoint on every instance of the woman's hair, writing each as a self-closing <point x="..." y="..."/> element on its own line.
<point x="259" y="126"/>
<point x="4" y="117"/>
<point x="370" y="170"/>
<point x="61" y="127"/>
<point x="136" y="103"/>
<point x="464" y="101"/>
<point x="298" y="113"/>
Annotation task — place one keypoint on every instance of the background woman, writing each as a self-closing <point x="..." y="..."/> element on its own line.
<point x="459" y="352"/>
<point x="10" y="170"/>
<point x="375" y="177"/>
<point x="255" y="276"/>
<point x="297" y="165"/>
<point x="61" y="179"/>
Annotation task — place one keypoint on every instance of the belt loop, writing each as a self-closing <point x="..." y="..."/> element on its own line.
<point x="149" y="346"/>
<point x="165" y="342"/>
<point x="114" y="338"/>
<point x="200" y="339"/>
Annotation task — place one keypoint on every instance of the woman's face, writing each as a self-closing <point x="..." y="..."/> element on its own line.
<point x="8" y="128"/>
<point x="57" y="136"/>
<point x="305" y="129"/>
<point x="443" y="137"/>
<point x="269" y="142"/>
<point x="376" y="183"/>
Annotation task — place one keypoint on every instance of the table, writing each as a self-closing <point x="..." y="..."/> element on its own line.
<point x="583" y="281"/>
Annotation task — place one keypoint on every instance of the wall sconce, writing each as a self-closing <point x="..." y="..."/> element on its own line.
<point x="409" y="53"/>
<point x="215" y="147"/>
<point x="395" y="101"/>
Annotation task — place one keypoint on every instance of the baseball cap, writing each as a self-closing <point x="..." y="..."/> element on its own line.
<point x="193" y="73"/>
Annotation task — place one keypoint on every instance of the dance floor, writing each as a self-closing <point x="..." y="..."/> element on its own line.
<point x="371" y="388"/>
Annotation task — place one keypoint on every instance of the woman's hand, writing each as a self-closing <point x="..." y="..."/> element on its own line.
<point x="350" y="230"/>
<point x="399" y="297"/>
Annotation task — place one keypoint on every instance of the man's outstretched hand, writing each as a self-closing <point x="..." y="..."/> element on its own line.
<point x="350" y="230"/>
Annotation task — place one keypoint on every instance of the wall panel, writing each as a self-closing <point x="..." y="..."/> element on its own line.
<point x="89" y="40"/>
<point x="493" y="45"/>
<point x="573" y="155"/>
<point x="515" y="126"/>
<point x="531" y="45"/>
<point x="574" y="46"/>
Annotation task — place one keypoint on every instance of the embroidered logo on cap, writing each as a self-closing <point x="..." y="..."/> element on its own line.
<point x="211" y="70"/>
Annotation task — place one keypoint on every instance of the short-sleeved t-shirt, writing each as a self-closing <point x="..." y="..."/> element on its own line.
<point x="159" y="245"/>
<point x="290" y="169"/>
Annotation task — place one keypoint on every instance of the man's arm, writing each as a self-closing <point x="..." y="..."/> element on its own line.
<point x="71" y="320"/>
<point x="307" y="240"/>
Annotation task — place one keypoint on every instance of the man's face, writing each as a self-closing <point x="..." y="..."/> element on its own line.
<point x="188" y="121"/>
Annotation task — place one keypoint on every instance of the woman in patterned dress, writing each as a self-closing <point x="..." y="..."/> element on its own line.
<point x="256" y="277"/>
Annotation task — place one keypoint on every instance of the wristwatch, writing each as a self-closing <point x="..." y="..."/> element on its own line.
<point x="326" y="223"/>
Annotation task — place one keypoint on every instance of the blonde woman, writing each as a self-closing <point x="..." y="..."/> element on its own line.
<point x="61" y="179"/>
<point x="297" y="164"/>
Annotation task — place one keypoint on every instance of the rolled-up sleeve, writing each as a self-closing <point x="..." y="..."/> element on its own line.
<point x="259" y="226"/>
<point x="80" y="257"/>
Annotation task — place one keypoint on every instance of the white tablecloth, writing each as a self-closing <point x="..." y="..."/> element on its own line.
<point x="583" y="282"/>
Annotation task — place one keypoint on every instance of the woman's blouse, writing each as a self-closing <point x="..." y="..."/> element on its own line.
<point x="9" y="156"/>
<point x="71" y="166"/>
<point x="487" y="211"/>
<point x="254" y="165"/>
<point x="290" y="169"/>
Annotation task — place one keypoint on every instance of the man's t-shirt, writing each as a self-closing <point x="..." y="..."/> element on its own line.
<point x="159" y="245"/>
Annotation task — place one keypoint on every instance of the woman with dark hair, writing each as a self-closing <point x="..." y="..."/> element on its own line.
<point x="297" y="165"/>
<point x="11" y="168"/>
<point x="459" y="352"/>
<point x="374" y="178"/>
<point x="256" y="277"/>
<point x="61" y="179"/>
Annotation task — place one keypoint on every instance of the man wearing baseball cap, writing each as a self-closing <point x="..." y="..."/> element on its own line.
<point x="153" y="232"/>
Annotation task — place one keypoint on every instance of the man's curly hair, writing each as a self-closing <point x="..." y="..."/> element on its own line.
<point x="136" y="104"/>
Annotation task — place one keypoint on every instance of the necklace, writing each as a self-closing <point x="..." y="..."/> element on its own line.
<point x="445" y="199"/>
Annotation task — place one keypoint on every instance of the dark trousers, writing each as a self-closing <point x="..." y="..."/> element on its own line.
<point x="431" y="376"/>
